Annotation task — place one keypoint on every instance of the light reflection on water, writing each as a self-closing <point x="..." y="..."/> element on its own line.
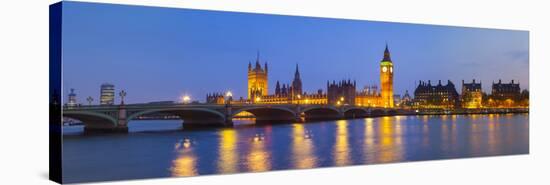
<point x="302" y="148"/>
<point x="228" y="154"/>
<point x="258" y="157"/>
<point x="185" y="163"/>
<point x="341" y="148"/>
<point x="253" y="148"/>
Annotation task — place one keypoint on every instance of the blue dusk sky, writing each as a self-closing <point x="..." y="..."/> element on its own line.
<point x="160" y="54"/>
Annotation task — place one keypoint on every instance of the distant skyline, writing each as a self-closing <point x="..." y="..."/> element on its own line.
<point x="161" y="54"/>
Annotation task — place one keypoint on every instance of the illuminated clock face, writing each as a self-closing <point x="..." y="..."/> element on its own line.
<point x="391" y="69"/>
<point x="384" y="69"/>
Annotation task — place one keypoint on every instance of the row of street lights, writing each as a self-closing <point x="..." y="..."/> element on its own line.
<point x="186" y="99"/>
<point x="122" y="94"/>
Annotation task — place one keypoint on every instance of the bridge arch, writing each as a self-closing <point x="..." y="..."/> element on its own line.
<point x="355" y="112"/>
<point x="310" y="108"/>
<point x="321" y="112"/>
<point x="378" y="112"/>
<point x="190" y="116"/>
<point x="269" y="113"/>
<point x="92" y="119"/>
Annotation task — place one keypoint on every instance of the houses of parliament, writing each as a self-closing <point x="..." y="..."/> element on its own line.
<point x="344" y="92"/>
<point x="341" y="92"/>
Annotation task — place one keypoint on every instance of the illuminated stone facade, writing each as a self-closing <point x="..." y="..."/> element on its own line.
<point x="472" y="95"/>
<point x="506" y="95"/>
<point x="294" y="94"/>
<point x="406" y="100"/>
<point x="284" y="94"/>
<point x="257" y="80"/>
<point x="369" y="97"/>
<point x="427" y="95"/>
<point x="215" y="98"/>
<point x="341" y="93"/>
<point x="338" y="93"/>
<point x="386" y="80"/>
<point x="305" y="98"/>
<point x="296" y="83"/>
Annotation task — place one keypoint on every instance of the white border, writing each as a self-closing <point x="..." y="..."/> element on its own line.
<point x="24" y="72"/>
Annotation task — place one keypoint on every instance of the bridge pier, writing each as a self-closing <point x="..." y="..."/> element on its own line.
<point x="228" y="123"/>
<point x="298" y="119"/>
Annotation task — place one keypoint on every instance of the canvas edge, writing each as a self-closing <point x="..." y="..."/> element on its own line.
<point x="55" y="94"/>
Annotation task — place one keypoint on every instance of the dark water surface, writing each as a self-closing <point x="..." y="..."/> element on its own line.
<point x="160" y="149"/>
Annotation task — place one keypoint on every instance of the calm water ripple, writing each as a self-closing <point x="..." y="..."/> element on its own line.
<point x="160" y="149"/>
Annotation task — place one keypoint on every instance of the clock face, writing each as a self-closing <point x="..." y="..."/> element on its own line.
<point x="391" y="69"/>
<point x="384" y="69"/>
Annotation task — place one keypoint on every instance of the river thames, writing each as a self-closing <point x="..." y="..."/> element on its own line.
<point x="159" y="148"/>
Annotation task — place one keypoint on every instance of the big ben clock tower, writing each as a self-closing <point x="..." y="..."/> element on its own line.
<point x="386" y="80"/>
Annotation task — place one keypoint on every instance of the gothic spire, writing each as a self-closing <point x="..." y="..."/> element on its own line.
<point x="258" y="66"/>
<point x="387" y="54"/>
<point x="297" y="72"/>
<point x="278" y="88"/>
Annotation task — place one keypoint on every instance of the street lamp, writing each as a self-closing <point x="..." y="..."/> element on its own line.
<point x="186" y="99"/>
<point x="122" y="94"/>
<point x="228" y="97"/>
<point x="90" y="100"/>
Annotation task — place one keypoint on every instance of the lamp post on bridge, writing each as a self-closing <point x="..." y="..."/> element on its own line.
<point x="298" y="117"/>
<point x="90" y="100"/>
<point x="228" y="112"/>
<point x="122" y="94"/>
<point x="122" y="122"/>
<point x="186" y="99"/>
<point x="228" y="97"/>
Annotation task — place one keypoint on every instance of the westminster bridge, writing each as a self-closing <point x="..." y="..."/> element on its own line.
<point x="116" y="117"/>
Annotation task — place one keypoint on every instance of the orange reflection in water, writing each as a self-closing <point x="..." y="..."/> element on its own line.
<point x="425" y="119"/>
<point x="391" y="145"/>
<point x="492" y="140"/>
<point x="444" y="135"/>
<point x="425" y="135"/>
<point x="228" y="155"/>
<point x="454" y="136"/>
<point x="485" y="134"/>
<point x="444" y="118"/>
<point x="370" y="145"/>
<point x="258" y="158"/>
<point x="474" y="117"/>
<point x="302" y="148"/>
<point x="341" y="149"/>
<point x="475" y="138"/>
<point x="185" y="163"/>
